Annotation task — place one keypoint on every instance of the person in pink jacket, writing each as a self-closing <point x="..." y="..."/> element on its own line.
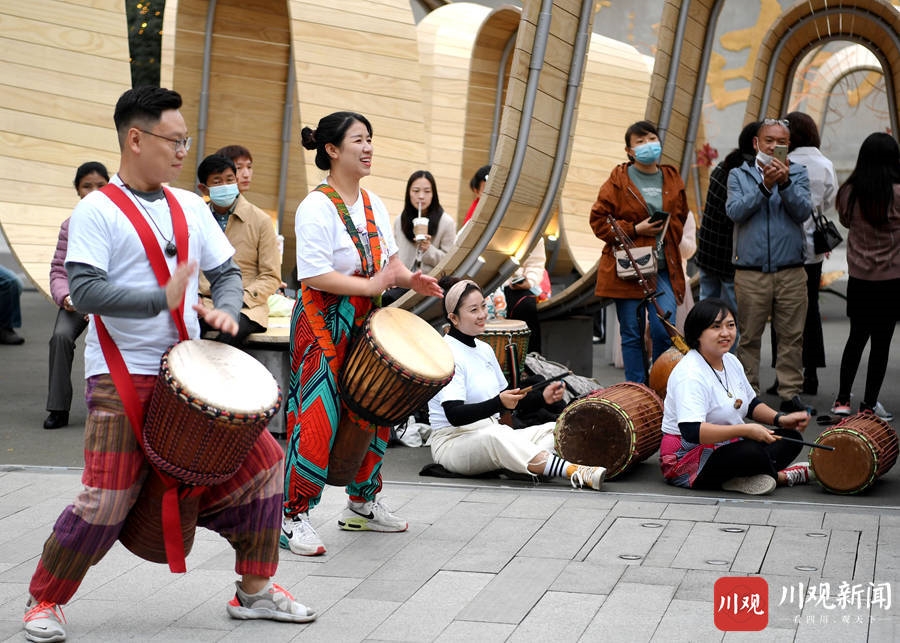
<point x="70" y="323"/>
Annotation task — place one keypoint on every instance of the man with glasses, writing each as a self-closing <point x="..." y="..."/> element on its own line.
<point x="768" y="200"/>
<point x="110" y="276"/>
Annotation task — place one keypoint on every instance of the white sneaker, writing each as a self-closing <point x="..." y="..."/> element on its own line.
<point x="588" y="477"/>
<point x="298" y="535"/>
<point x="44" y="622"/>
<point x="758" y="485"/>
<point x="882" y="412"/>
<point x="370" y="516"/>
<point x="273" y="602"/>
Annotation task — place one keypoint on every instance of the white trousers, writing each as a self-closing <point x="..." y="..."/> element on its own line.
<point x="487" y="445"/>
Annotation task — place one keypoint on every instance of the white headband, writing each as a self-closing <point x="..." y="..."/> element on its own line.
<point x="451" y="299"/>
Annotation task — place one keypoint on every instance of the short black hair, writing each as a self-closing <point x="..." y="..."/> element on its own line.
<point x="214" y="164"/>
<point x="480" y="175"/>
<point x="702" y="316"/>
<point x="143" y="105"/>
<point x="90" y="168"/>
<point x="640" y="128"/>
<point x="234" y="152"/>
<point x="804" y="132"/>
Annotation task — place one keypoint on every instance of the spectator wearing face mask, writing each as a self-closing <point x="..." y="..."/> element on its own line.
<point x="252" y="234"/>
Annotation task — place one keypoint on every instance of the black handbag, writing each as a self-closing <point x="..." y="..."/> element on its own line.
<point x="826" y="236"/>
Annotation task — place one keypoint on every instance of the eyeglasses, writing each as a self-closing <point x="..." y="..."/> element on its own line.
<point x="178" y="142"/>
<point x="777" y="121"/>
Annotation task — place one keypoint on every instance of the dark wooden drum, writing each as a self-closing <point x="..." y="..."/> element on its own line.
<point x="394" y="367"/>
<point x="616" y="427"/>
<point x="865" y="448"/>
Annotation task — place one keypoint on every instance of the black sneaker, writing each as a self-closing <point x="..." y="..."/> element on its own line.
<point x="796" y="404"/>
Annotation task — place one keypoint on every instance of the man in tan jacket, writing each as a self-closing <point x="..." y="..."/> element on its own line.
<point x="250" y="231"/>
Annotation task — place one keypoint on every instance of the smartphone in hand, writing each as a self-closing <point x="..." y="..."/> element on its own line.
<point x="780" y="153"/>
<point x="659" y="215"/>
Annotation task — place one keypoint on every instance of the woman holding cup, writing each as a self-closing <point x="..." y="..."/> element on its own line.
<point x="424" y="231"/>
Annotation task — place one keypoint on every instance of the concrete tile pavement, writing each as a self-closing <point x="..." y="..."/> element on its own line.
<point x="485" y="560"/>
<point x="483" y="564"/>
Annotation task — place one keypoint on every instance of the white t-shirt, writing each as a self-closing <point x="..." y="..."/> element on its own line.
<point x="693" y="394"/>
<point x="100" y="235"/>
<point x="477" y="378"/>
<point x="323" y="243"/>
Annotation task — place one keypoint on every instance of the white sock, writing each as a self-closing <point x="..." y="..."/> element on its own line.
<point x="556" y="467"/>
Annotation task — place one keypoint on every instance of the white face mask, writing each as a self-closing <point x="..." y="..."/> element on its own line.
<point x="223" y="195"/>
<point x="763" y="159"/>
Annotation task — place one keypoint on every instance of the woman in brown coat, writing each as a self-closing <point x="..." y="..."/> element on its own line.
<point x="632" y="193"/>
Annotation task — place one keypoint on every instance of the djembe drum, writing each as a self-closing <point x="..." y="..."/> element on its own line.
<point x="865" y="448"/>
<point x="616" y="427"/>
<point x="499" y="333"/>
<point x="209" y="405"/>
<point x="393" y="368"/>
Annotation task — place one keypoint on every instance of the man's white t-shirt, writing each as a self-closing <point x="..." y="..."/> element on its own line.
<point x="323" y="243"/>
<point x="694" y="394"/>
<point x="100" y="235"/>
<point x="477" y="377"/>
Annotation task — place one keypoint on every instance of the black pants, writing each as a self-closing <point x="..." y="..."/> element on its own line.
<point x="748" y="458"/>
<point x="880" y="329"/>
<point x="246" y="326"/>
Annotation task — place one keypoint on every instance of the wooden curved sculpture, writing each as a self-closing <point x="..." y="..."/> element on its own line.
<point x="448" y="94"/>
<point x="874" y="23"/>
<point x="55" y="117"/>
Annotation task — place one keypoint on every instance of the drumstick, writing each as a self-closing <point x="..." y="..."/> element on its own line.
<point x="809" y="444"/>
<point x="540" y="385"/>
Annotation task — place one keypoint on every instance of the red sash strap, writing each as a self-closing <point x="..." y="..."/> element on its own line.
<point x="151" y="245"/>
<point x="118" y="370"/>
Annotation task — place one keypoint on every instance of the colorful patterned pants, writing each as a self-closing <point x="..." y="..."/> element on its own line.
<point x="314" y="408"/>
<point x="244" y="509"/>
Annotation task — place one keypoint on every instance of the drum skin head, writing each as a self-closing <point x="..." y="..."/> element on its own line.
<point x="850" y="468"/>
<point x="412" y="342"/>
<point x="223" y="376"/>
<point x="506" y="326"/>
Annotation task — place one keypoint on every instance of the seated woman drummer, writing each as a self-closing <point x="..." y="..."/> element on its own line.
<point x="713" y="433"/>
<point x="467" y="435"/>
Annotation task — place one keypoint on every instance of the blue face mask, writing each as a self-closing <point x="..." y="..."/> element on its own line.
<point x="223" y="195"/>
<point x="648" y="153"/>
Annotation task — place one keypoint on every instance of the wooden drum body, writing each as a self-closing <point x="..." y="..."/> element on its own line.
<point x="616" y="428"/>
<point x="500" y="332"/>
<point x="662" y="368"/>
<point x="210" y="403"/>
<point x="392" y="369"/>
<point x="865" y="448"/>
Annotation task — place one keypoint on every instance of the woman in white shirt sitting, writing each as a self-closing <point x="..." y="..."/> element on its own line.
<point x="467" y="437"/>
<point x="712" y="432"/>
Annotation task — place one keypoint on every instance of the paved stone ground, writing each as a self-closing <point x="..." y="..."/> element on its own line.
<point x="483" y="560"/>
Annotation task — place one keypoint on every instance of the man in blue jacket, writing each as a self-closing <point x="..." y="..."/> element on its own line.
<point x="768" y="200"/>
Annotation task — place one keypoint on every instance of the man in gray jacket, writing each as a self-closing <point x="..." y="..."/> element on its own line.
<point x="768" y="200"/>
